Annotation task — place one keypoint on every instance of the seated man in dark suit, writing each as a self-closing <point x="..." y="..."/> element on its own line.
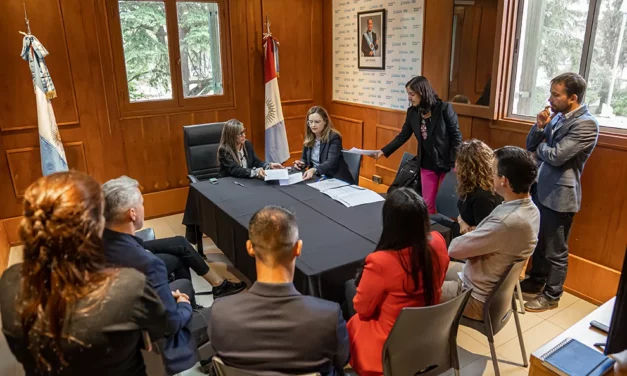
<point x="186" y="328"/>
<point x="272" y="327"/>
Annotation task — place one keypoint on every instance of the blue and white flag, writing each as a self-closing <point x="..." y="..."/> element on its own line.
<point x="277" y="149"/>
<point x="52" y="153"/>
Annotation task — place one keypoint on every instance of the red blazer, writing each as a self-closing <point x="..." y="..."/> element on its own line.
<point x="380" y="298"/>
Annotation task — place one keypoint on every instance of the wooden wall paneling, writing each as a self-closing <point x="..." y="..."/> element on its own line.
<point x="387" y="167"/>
<point x="172" y="201"/>
<point x="16" y="84"/>
<point x="481" y="129"/>
<point x="254" y="30"/>
<point x="5" y="248"/>
<point x="25" y="164"/>
<point x="465" y="126"/>
<point x="591" y="281"/>
<point x="352" y="131"/>
<point x="156" y="152"/>
<point x="295" y="129"/>
<point x="437" y="39"/>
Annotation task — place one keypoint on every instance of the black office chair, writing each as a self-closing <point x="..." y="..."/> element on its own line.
<point x="446" y="200"/>
<point x="201" y="150"/>
<point x="353" y="161"/>
<point x="497" y="310"/>
<point x="406" y="156"/>
<point x="224" y="370"/>
<point x="424" y="339"/>
<point x="146" y="234"/>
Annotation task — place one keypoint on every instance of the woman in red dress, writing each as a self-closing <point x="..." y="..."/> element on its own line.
<point x="406" y="269"/>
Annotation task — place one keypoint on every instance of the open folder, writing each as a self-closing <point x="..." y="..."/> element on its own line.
<point x="280" y="174"/>
<point x="353" y="195"/>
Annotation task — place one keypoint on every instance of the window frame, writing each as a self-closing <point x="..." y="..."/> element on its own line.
<point x="178" y="102"/>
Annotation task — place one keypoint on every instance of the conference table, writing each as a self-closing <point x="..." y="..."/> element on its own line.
<point x="336" y="239"/>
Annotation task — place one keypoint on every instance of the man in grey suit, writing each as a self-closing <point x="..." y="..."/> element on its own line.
<point x="272" y="328"/>
<point x="562" y="140"/>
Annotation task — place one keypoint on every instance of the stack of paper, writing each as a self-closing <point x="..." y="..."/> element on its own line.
<point x="280" y="174"/>
<point x="353" y="195"/>
<point x="325" y="185"/>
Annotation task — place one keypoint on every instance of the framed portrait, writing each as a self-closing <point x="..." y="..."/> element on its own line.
<point x="371" y="39"/>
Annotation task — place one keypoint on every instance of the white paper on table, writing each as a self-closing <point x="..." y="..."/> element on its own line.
<point x="280" y="174"/>
<point x="362" y="151"/>
<point x="353" y="195"/>
<point x="325" y="185"/>
<point x="366" y="196"/>
<point x="293" y="179"/>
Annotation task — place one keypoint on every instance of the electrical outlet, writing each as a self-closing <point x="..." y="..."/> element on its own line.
<point x="377" y="179"/>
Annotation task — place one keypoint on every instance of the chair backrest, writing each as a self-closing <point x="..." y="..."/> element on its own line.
<point x="201" y="149"/>
<point x="224" y="370"/>
<point x="353" y="161"/>
<point x="406" y="156"/>
<point x="500" y="304"/>
<point x="423" y="340"/>
<point x="446" y="200"/>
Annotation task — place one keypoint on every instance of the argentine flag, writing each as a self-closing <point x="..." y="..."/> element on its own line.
<point x="277" y="149"/>
<point x="52" y="153"/>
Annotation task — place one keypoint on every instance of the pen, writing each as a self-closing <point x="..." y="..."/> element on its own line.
<point x="238" y="183"/>
<point x="321" y="178"/>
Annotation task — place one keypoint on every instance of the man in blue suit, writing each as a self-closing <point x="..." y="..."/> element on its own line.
<point x="272" y="328"/>
<point x="562" y="140"/>
<point x="186" y="327"/>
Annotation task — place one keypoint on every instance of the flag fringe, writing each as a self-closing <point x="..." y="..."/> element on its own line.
<point x="51" y="94"/>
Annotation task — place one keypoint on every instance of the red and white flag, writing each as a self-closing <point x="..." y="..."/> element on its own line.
<point x="277" y="149"/>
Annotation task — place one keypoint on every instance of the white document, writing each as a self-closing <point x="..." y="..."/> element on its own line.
<point x="353" y="195"/>
<point x="325" y="185"/>
<point x="293" y="179"/>
<point x="363" y="152"/>
<point x="281" y="174"/>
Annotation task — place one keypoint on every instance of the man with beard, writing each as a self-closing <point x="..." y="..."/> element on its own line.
<point x="562" y="140"/>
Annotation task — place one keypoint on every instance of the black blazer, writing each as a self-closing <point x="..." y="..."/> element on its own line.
<point x="111" y="330"/>
<point x="230" y="167"/>
<point x="332" y="163"/>
<point x="443" y="139"/>
<point x="273" y="329"/>
<point x="128" y="251"/>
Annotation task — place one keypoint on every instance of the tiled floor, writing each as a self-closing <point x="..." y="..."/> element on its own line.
<point x="473" y="347"/>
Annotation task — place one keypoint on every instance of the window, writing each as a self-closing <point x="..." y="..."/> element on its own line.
<point x="585" y="36"/>
<point x="169" y="53"/>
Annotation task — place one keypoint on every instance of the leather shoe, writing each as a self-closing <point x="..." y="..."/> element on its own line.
<point x="541" y="303"/>
<point x="228" y="288"/>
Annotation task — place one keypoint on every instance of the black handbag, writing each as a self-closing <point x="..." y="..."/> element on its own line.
<point x="408" y="176"/>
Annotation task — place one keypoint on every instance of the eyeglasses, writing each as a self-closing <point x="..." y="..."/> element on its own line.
<point x="242" y="133"/>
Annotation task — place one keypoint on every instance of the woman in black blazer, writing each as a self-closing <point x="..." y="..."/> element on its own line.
<point x="237" y="156"/>
<point x="322" y="150"/>
<point x="434" y="123"/>
<point x="475" y="188"/>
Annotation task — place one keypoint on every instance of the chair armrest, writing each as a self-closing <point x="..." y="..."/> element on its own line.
<point x="192" y="179"/>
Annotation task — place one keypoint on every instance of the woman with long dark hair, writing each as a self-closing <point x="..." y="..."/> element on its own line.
<point x="434" y="123"/>
<point x="406" y="269"/>
<point x="63" y="311"/>
<point x="322" y="149"/>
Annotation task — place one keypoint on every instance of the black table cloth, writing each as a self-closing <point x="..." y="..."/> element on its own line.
<point x="335" y="238"/>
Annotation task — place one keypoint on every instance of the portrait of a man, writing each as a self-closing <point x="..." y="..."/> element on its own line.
<point x="371" y="39"/>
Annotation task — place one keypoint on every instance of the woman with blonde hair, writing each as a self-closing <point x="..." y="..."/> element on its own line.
<point x="322" y="149"/>
<point x="64" y="312"/>
<point x="475" y="187"/>
<point x="237" y="156"/>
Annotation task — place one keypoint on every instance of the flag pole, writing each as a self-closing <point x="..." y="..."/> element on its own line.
<point x="27" y="21"/>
